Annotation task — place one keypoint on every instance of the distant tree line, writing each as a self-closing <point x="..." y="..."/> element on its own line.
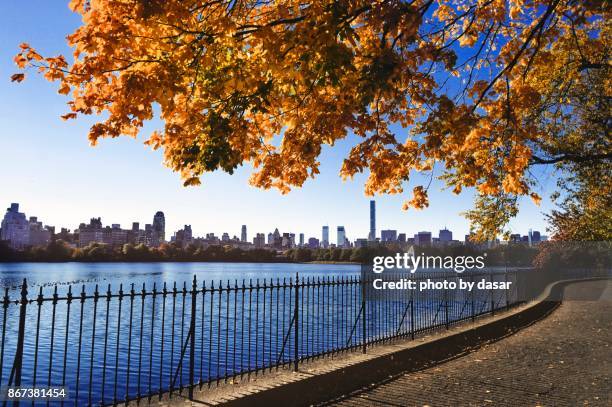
<point x="549" y="255"/>
<point x="60" y="251"/>
<point x="515" y="255"/>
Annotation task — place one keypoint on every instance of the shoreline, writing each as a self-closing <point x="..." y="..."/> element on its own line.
<point x="179" y="261"/>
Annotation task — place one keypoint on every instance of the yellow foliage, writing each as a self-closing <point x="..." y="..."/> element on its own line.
<point x="271" y="83"/>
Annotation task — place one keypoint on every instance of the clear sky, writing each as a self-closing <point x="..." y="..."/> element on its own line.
<point x="48" y="167"/>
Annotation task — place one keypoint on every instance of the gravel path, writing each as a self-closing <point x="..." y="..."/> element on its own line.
<point x="563" y="360"/>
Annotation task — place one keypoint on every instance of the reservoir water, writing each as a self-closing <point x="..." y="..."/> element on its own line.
<point x="111" y="332"/>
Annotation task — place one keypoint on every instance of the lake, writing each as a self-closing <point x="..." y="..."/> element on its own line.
<point x="64" y="274"/>
<point x="129" y="339"/>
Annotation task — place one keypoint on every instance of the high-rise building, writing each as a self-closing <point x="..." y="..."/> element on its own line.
<point x="159" y="227"/>
<point x="150" y="236"/>
<point x="277" y="240"/>
<point x="325" y="236"/>
<point x="135" y="235"/>
<point x="93" y="232"/>
<point x="401" y="238"/>
<point x="313" y="243"/>
<point x="422" y="239"/>
<point x="39" y="236"/>
<point x="15" y="228"/>
<point x="287" y="241"/>
<point x="243" y="234"/>
<point x="51" y="230"/>
<point x="361" y="243"/>
<point x="292" y="239"/>
<point x="388" y="235"/>
<point x="259" y="240"/>
<point x="341" y="236"/>
<point x="301" y="240"/>
<point x="184" y="236"/>
<point x="445" y="236"/>
<point x="118" y="236"/>
<point x="372" y="235"/>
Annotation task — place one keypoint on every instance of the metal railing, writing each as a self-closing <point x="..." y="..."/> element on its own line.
<point x="110" y="347"/>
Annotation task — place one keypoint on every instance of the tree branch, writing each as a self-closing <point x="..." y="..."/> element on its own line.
<point x="535" y="160"/>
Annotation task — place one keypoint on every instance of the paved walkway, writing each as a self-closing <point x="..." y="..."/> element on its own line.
<point x="563" y="360"/>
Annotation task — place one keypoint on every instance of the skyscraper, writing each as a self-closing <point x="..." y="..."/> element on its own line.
<point x="389" y="235"/>
<point x="277" y="240"/>
<point x="259" y="240"/>
<point x="91" y="233"/>
<point x="184" y="236"/>
<point x="372" y="235"/>
<point x="301" y="240"/>
<point x="445" y="236"/>
<point x="422" y="239"/>
<point x="243" y="234"/>
<point x="159" y="226"/>
<point x="325" y="237"/>
<point x="15" y="228"/>
<point x="341" y="236"/>
<point x="313" y="242"/>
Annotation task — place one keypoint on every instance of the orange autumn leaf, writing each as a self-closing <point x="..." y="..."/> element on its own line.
<point x="64" y="89"/>
<point x="18" y="77"/>
<point x="537" y="199"/>
<point x="68" y="116"/>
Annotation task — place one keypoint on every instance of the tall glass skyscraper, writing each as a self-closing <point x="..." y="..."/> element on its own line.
<point x="372" y="235"/>
<point x="325" y="237"/>
<point x="159" y="226"/>
<point x="341" y="236"/>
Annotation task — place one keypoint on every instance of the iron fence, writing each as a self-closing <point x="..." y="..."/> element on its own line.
<point x="109" y="347"/>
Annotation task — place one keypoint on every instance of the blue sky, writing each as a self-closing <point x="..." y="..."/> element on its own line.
<point x="47" y="166"/>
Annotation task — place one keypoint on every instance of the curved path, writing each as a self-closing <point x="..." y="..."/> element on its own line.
<point x="563" y="360"/>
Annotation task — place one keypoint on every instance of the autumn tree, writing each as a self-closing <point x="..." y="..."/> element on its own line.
<point x="585" y="205"/>
<point x="584" y="195"/>
<point x="470" y="91"/>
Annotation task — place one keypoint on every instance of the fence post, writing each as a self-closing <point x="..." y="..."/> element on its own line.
<point x="192" y="326"/>
<point x="492" y="295"/>
<point x="473" y="293"/>
<point x="363" y="319"/>
<point x="507" y="295"/>
<point x="296" y="324"/>
<point x="445" y="308"/>
<point x="20" y="336"/>
<point x="412" y="314"/>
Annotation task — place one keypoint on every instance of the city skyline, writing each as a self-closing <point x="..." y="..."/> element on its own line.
<point x="458" y="225"/>
<point x="65" y="181"/>
<point x="22" y="231"/>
